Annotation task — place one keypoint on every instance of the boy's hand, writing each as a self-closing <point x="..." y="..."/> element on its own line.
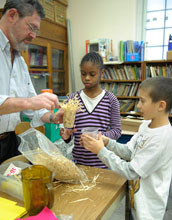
<point x="66" y="133"/>
<point x="105" y="140"/>
<point x="92" y="144"/>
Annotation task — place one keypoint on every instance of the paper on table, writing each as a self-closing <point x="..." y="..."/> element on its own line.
<point x="4" y="201"/>
<point x="45" y="214"/>
<point x="9" y="210"/>
<point x="11" y="170"/>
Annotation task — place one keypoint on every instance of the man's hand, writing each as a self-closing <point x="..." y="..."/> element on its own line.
<point x="44" y="100"/>
<point x="58" y="117"/>
<point x="91" y="143"/>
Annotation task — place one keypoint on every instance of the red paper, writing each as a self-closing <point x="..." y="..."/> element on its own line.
<point x="45" y="214"/>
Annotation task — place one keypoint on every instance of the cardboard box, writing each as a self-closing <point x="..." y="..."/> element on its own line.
<point x="128" y="124"/>
<point x="169" y="55"/>
<point x="60" y="13"/>
<point x="65" y="2"/>
<point x="48" y="6"/>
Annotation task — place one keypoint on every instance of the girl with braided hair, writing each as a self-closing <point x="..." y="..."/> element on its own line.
<point x="100" y="108"/>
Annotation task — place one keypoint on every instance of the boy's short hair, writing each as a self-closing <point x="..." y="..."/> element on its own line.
<point x="24" y="7"/>
<point x="94" y="58"/>
<point x="159" y="88"/>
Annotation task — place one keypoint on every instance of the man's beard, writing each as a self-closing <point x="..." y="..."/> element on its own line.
<point x="17" y="45"/>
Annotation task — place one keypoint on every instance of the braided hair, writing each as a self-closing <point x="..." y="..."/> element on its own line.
<point x="94" y="58"/>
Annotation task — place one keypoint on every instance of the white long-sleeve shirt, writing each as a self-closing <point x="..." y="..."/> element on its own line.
<point x="149" y="165"/>
<point x="15" y="82"/>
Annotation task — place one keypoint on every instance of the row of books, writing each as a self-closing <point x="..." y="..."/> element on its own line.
<point x="38" y="59"/>
<point x="124" y="72"/>
<point x="58" y="61"/>
<point x="58" y="77"/>
<point x="128" y="105"/>
<point x="165" y="71"/>
<point x="121" y="89"/>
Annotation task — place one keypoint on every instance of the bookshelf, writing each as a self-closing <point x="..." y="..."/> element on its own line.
<point x="123" y="79"/>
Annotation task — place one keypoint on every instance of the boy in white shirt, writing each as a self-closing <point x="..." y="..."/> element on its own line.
<point x="146" y="160"/>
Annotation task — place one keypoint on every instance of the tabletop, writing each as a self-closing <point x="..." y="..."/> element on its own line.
<point x="90" y="200"/>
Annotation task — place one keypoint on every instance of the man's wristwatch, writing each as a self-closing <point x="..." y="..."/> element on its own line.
<point x="51" y="118"/>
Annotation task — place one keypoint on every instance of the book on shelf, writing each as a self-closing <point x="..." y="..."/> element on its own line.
<point x="126" y="89"/>
<point x="123" y="103"/>
<point x="107" y="86"/>
<point x="135" y="107"/>
<point x="131" y="89"/>
<point x="130" y="107"/>
<point x="117" y="73"/>
<point x="115" y="88"/>
<point x="169" y="71"/>
<point x="137" y="72"/>
<point x="37" y="59"/>
<point x="126" y="105"/>
<point x="122" y="56"/>
<point x="130" y="72"/>
<point x="121" y="87"/>
<point x="105" y="75"/>
<point x="123" y="74"/>
<point x="135" y="91"/>
<point x="111" y="76"/>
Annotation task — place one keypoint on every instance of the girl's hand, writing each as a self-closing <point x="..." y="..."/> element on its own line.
<point x="66" y="133"/>
<point x="91" y="143"/>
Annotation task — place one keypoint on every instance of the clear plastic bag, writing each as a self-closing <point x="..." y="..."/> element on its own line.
<point x="38" y="149"/>
<point x="10" y="184"/>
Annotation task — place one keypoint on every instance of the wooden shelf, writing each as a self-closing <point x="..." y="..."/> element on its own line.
<point x="38" y="69"/>
<point x="130" y="113"/>
<point x="120" y="81"/>
<point x="58" y="70"/>
<point x="128" y="97"/>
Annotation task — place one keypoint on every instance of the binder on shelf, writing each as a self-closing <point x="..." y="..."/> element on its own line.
<point x="132" y="57"/>
<point x="170" y="42"/>
<point x="122" y="57"/>
<point x="133" y="50"/>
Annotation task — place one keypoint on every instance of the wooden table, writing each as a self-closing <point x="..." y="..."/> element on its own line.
<point x="98" y="203"/>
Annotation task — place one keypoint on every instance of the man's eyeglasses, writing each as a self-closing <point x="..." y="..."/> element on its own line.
<point x="33" y="29"/>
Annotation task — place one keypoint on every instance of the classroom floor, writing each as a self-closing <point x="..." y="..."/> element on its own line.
<point x="119" y="213"/>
